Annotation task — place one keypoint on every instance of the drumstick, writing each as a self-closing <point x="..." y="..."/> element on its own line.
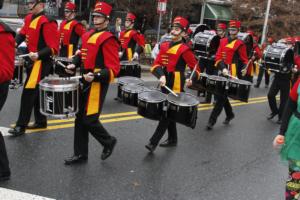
<point x="74" y="77"/>
<point x="247" y="66"/>
<point x="172" y="92"/>
<point x="61" y="64"/>
<point x="193" y="72"/>
<point x="23" y="56"/>
<point x="232" y="77"/>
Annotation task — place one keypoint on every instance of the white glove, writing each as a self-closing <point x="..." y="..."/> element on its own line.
<point x="120" y="54"/>
<point x="162" y="81"/>
<point x="69" y="69"/>
<point x="225" y="72"/>
<point x="33" y="56"/>
<point x="135" y="56"/>
<point x="295" y="69"/>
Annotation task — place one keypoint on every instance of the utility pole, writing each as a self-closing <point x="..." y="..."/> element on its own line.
<point x="203" y="11"/>
<point x="263" y="38"/>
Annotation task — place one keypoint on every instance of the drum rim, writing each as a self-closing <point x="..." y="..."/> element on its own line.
<point x="125" y="88"/>
<point x="211" y="77"/>
<point x="152" y="101"/>
<point x="44" y="86"/>
<point x="240" y="81"/>
<point x="188" y="94"/>
<point x="128" y="63"/>
<point x="130" y="77"/>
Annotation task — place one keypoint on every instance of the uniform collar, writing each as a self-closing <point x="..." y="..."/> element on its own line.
<point x="39" y="14"/>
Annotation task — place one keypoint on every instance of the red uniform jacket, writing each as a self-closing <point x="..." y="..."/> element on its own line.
<point x="131" y="42"/>
<point x="70" y="33"/>
<point x="41" y="36"/>
<point x="231" y="53"/>
<point x="171" y="61"/>
<point x="7" y="53"/>
<point x="99" y="55"/>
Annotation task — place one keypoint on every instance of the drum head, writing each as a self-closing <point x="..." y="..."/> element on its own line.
<point x="204" y="75"/>
<point x="200" y="28"/>
<point x="129" y="63"/>
<point x="240" y="82"/>
<point x="129" y="79"/>
<point x="132" y="88"/>
<point x="152" y="96"/>
<point x="217" y="78"/>
<point x="183" y="99"/>
<point x="58" y="84"/>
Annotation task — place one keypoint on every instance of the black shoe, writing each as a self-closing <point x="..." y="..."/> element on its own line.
<point x="271" y="116"/>
<point x="4" y="176"/>
<point x="151" y="147"/>
<point x="228" y="119"/>
<point x="107" y="151"/>
<point x="76" y="160"/>
<point x="210" y="126"/>
<point x="17" y="131"/>
<point x="279" y="121"/>
<point x="168" y="143"/>
<point x="37" y="126"/>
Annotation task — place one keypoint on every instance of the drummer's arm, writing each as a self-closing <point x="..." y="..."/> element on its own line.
<point x="191" y="61"/>
<point x="157" y="67"/>
<point x="111" y="61"/>
<point x="140" y="43"/>
<point x="7" y="53"/>
<point x="243" y="54"/>
<point x="219" y="63"/>
<point x="51" y="37"/>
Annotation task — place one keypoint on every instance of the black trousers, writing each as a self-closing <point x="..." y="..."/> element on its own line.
<point x="89" y="124"/>
<point x="282" y="86"/>
<point x="163" y="125"/>
<point x="4" y="163"/>
<point x="222" y="101"/>
<point x="30" y="100"/>
<point x="261" y="72"/>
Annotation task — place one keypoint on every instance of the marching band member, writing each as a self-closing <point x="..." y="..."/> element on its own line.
<point x="169" y="67"/>
<point x="231" y="52"/>
<point x="289" y="141"/>
<point x="41" y="36"/>
<point x="132" y="42"/>
<point x="70" y="34"/>
<point x="281" y="83"/>
<point x="99" y="55"/>
<point x="7" y="57"/>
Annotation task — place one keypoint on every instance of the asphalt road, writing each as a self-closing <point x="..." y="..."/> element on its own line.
<point x="234" y="162"/>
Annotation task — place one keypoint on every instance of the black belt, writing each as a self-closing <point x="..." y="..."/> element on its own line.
<point x="297" y="114"/>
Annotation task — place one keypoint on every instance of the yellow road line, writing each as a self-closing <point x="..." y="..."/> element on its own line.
<point x="120" y="119"/>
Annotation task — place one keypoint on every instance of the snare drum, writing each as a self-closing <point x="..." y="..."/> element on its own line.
<point x="201" y="83"/>
<point x="278" y="58"/>
<point x="206" y="44"/>
<point x="239" y="89"/>
<point x="130" y="94"/>
<point x="151" y="104"/>
<point x="59" y="97"/>
<point x="183" y="109"/>
<point x="125" y="80"/>
<point x="130" y="69"/>
<point x="18" y="77"/>
<point x="216" y="85"/>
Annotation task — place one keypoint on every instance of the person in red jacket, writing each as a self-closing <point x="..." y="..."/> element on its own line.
<point x="132" y="42"/>
<point x="99" y="55"/>
<point x="7" y="57"/>
<point x="169" y="67"/>
<point x="70" y="32"/>
<point x="41" y="36"/>
<point x="230" y="53"/>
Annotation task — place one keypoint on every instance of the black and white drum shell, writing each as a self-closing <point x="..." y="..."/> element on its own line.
<point x="18" y="76"/>
<point x="151" y="104"/>
<point x="125" y="80"/>
<point x="183" y="109"/>
<point x="278" y="58"/>
<point x="130" y="68"/>
<point x="206" y="44"/>
<point x="216" y="84"/>
<point x="239" y="89"/>
<point x="59" y="98"/>
<point x="130" y="94"/>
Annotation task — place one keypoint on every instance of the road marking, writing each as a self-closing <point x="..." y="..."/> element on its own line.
<point x="7" y="194"/>
<point x="135" y="117"/>
<point x="4" y="131"/>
